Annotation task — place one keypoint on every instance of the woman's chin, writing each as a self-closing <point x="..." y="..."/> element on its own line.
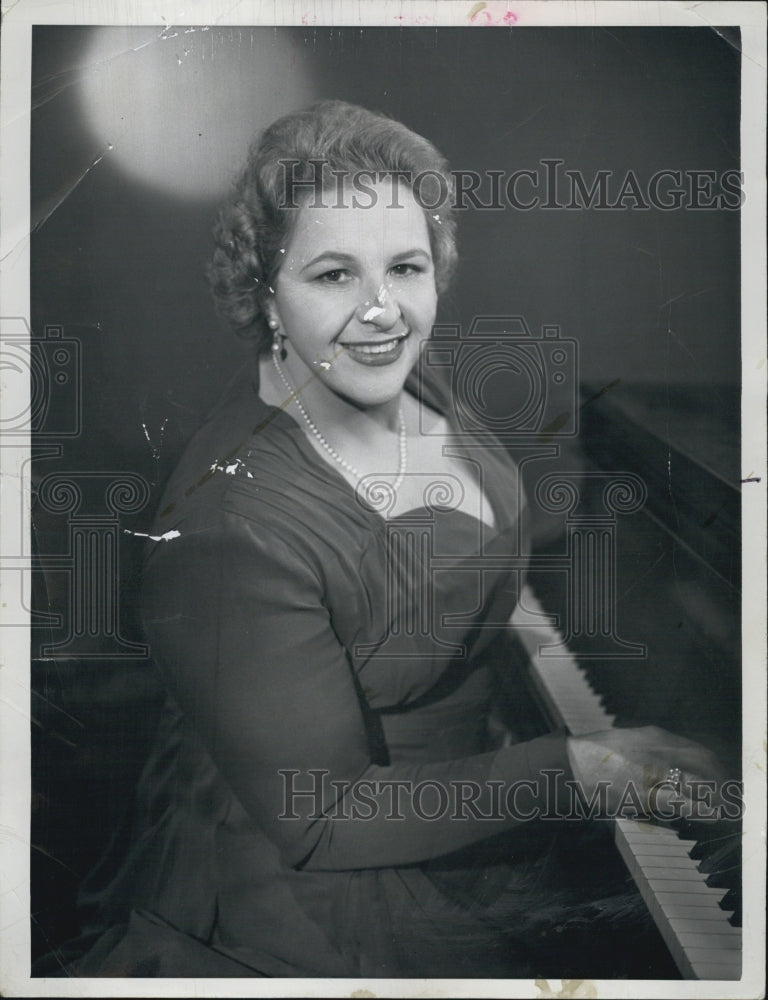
<point x="370" y="386"/>
<point x="374" y="398"/>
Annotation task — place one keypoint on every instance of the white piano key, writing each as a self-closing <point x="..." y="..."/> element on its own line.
<point x="580" y="700"/>
<point x="714" y="942"/>
<point x="675" y="871"/>
<point x="582" y="725"/>
<point x="726" y="937"/>
<point x="637" y="829"/>
<point x="662" y="846"/>
<point x="686" y="887"/>
<point x="704" y="910"/>
<point x="646" y="852"/>
<point x="723" y="967"/>
<point x="663" y="857"/>
<point x="646" y="835"/>
<point x="709" y="900"/>
<point x="725" y="973"/>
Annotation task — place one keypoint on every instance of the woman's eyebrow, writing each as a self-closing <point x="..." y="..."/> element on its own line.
<point x="415" y="252"/>
<point x="336" y="256"/>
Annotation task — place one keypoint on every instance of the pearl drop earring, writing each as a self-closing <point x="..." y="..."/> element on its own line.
<point x="278" y="341"/>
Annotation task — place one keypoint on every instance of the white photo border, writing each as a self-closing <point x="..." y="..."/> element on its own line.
<point x="18" y="20"/>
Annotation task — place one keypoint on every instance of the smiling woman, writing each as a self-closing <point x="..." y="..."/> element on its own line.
<point x="327" y="601"/>
<point x="357" y="291"/>
<point x="355" y="299"/>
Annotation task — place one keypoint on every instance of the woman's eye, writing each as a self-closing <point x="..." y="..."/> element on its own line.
<point x="402" y="270"/>
<point x="334" y="277"/>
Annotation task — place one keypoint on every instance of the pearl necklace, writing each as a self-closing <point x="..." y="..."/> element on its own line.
<point x="403" y="439"/>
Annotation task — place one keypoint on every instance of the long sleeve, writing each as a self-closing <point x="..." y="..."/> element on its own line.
<point x="237" y="623"/>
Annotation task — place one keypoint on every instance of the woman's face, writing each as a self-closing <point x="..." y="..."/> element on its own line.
<point x="355" y="294"/>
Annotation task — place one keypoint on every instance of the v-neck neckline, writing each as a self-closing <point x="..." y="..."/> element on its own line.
<point x="279" y="413"/>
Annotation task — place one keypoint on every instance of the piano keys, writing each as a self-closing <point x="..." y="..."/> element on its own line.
<point x="675" y="886"/>
<point x="686" y="908"/>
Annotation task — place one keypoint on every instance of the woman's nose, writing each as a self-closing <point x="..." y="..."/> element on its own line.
<point x="380" y="310"/>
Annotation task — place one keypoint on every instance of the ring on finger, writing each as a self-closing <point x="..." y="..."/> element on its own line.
<point x="674" y="777"/>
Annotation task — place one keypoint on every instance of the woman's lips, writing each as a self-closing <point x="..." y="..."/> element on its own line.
<point x="381" y="352"/>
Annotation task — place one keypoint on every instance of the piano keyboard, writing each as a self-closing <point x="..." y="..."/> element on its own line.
<point x="687" y="911"/>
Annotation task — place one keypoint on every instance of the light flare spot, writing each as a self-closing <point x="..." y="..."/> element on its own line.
<point x="372" y="313"/>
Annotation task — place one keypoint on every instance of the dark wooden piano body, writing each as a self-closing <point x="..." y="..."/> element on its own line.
<point x="677" y="592"/>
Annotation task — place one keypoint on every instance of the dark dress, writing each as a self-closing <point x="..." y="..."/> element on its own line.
<point x="311" y="645"/>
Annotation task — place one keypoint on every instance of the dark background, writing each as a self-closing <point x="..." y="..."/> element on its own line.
<point x="117" y="258"/>
<point x="650" y="296"/>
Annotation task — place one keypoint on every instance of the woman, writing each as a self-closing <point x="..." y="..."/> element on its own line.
<point x="320" y="800"/>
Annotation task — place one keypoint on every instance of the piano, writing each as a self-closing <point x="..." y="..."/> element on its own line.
<point x="677" y="587"/>
<point x="686" y="909"/>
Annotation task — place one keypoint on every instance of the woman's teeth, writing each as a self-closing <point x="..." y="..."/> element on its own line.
<point x="376" y="348"/>
<point x="382" y="353"/>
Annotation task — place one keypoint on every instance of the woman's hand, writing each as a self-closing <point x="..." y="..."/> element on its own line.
<point x="667" y="776"/>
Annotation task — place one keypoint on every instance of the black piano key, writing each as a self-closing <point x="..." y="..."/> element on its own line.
<point x="710" y="836"/>
<point x="710" y="847"/>
<point x="733" y="901"/>
<point x="727" y="857"/>
<point x="725" y="876"/>
<point x="718" y="851"/>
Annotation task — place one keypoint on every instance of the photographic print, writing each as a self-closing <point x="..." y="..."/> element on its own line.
<point x="383" y="509"/>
